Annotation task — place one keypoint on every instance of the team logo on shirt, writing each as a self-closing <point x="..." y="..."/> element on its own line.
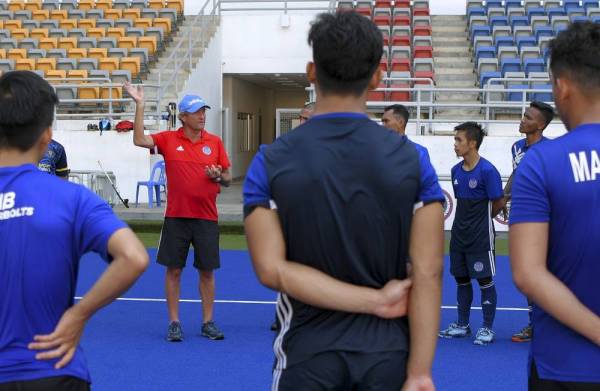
<point x="478" y="267"/>
<point x="179" y="148"/>
<point x="206" y="150"/>
<point x="472" y="183"/>
<point x="8" y="208"/>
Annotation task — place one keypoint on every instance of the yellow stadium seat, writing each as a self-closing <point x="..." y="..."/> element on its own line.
<point x="177" y="4"/>
<point x="56" y="74"/>
<point x="115" y="32"/>
<point x="40" y="15"/>
<point x="98" y="53"/>
<point x="38" y="33"/>
<point x="25" y="64"/>
<point x="33" y="5"/>
<point x="131" y="64"/>
<point x="48" y="43"/>
<point x="87" y="23"/>
<point x="16" y="5"/>
<point x="77" y="53"/>
<point x="77" y="73"/>
<point x="19" y="33"/>
<point x="127" y="42"/>
<point x="105" y="93"/>
<point x="3" y="54"/>
<point x="156" y="4"/>
<point x="12" y="24"/>
<point x="59" y="14"/>
<point x="131" y="13"/>
<point x="67" y="43"/>
<point x="113" y="14"/>
<point x="86" y="4"/>
<point x="165" y="23"/>
<point x="1" y="24"/>
<point x="46" y="64"/>
<point x="67" y="24"/>
<point x="148" y="43"/>
<point x="142" y="23"/>
<point x="17" y="54"/>
<point x="103" y="4"/>
<point x="108" y="64"/>
<point x="96" y="32"/>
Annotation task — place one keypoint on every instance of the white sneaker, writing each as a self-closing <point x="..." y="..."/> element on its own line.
<point x="484" y="336"/>
<point x="455" y="330"/>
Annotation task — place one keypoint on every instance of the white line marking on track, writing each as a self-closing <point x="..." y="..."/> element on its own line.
<point x="146" y="299"/>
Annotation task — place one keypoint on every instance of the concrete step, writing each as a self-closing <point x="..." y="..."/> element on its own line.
<point x="448" y="18"/>
<point x="458" y="42"/>
<point x="463" y="70"/>
<point x="454" y="77"/>
<point x="456" y="97"/>
<point x="455" y="84"/>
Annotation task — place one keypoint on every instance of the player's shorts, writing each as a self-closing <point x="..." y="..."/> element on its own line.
<point x="537" y="384"/>
<point x="473" y="265"/>
<point x="56" y="383"/>
<point x="176" y="236"/>
<point x="385" y="371"/>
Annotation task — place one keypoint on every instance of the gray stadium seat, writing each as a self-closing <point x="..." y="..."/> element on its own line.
<point x="522" y="30"/>
<point x="3" y="5"/>
<point x="149" y="13"/>
<point x="7" y="65"/>
<point x="87" y="42"/>
<point x="57" y="53"/>
<point x="57" y="33"/>
<point x="107" y="43"/>
<point x="530" y="52"/>
<point x="117" y="52"/>
<point x="4" y="34"/>
<point x="77" y="33"/>
<point x="30" y="24"/>
<point x="8" y="44"/>
<point x="125" y="23"/>
<point x="105" y="23"/>
<point x="121" y="4"/>
<point x="68" y="4"/>
<point x="22" y="15"/>
<point x="49" y="24"/>
<point x="142" y="53"/>
<point x="94" y="14"/>
<point x="28" y="43"/>
<point x="507" y="52"/>
<point x="36" y="53"/>
<point x="66" y="64"/>
<point x="169" y="13"/>
<point x="50" y="5"/>
<point x="88" y="64"/>
<point x="75" y="13"/>
<point x="138" y="4"/>
<point x="6" y="15"/>
<point x="120" y="76"/>
<point x="134" y="32"/>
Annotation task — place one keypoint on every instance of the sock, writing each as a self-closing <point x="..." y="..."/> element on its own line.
<point x="464" y="297"/>
<point x="488" y="304"/>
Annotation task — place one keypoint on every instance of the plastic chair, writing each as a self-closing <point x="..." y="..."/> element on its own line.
<point x="157" y="179"/>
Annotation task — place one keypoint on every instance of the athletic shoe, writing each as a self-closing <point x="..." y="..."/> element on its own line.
<point x="210" y="330"/>
<point x="523" y="335"/>
<point x="174" y="333"/>
<point x="484" y="336"/>
<point x="455" y="330"/>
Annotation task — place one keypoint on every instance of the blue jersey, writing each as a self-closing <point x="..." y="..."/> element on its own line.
<point x="558" y="183"/>
<point x="473" y="229"/>
<point x="54" y="160"/>
<point x="46" y="225"/>
<point x="345" y="190"/>
<point x="519" y="149"/>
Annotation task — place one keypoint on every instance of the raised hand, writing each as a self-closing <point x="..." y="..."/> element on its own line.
<point x="213" y="171"/>
<point x="136" y="92"/>
<point x="394" y="299"/>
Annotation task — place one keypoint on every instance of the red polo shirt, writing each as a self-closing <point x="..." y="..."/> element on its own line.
<point x="190" y="192"/>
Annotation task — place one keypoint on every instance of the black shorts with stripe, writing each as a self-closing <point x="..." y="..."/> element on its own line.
<point x="176" y="236"/>
<point x="474" y="265"/>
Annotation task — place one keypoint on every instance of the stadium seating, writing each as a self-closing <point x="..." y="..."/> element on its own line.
<point x="408" y="48"/>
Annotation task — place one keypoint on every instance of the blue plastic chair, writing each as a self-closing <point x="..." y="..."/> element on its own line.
<point x="157" y="179"/>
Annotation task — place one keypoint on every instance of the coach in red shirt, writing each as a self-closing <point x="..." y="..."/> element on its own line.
<point x="196" y="164"/>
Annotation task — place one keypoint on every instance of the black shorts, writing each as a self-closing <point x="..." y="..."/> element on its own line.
<point x="58" y="383"/>
<point x="473" y="265"/>
<point x="537" y="384"/>
<point x="345" y="371"/>
<point x="176" y="236"/>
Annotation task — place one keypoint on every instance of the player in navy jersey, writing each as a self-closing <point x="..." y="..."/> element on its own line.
<point x="54" y="160"/>
<point x="332" y="211"/>
<point x="43" y="235"/>
<point x="536" y="118"/>
<point x="478" y="190"/>
<point x="555" y="223"/>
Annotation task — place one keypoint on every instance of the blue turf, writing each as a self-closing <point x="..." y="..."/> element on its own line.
<point x="126" y="350"/>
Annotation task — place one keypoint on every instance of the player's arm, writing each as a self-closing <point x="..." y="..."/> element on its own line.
<point x="139" y="138"/>
<point x="309" y="285"/>
<point x="62" y="168"/>
<point x="498" y="205"/>
<point x="528" y="248"/>
<point x="426" y="254"/>
<point x="130" y="259"/>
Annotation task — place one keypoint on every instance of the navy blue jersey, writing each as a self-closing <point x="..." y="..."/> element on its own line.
<point x="558" y="183"/>
<point x="54" y="160"/>
<point x="345" y="190"/>
<point x="46" y="225"/>
<point x="473" y="228"/>
<point x="519" y="149"/>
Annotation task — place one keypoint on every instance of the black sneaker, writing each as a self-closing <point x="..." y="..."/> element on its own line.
<point x="174" y="333"/>
<point x="210" y="330"/>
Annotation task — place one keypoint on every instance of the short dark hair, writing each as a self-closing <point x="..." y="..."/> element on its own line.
<point x="576" y="50"/>
<point x="473" y="131"/>
<point x="27" y="104"/>
<point x="546" y="110"/>
<point x="347" y="48"/>
<point x="399" y="110"/>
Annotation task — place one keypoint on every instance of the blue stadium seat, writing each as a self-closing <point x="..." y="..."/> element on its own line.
<point x="485" y="52"/>
<point x="589" y="4"/>
<point x="485" y="76"/>
<point x="576" y="11"/>
<point x="526" y="41"/>
<point x="558" y="29"/>
<point x="579" y="18"/>
<point x="475" y="11"/>
<point x="556" y="11"/>
<point x="536" y="11"/>
<point x="514" y="95"/>
<point x="541" y="96"/>
<point x="596" y="19"/>
<point x="504" y="41"/>
<point x="534" y="65"/>
<point x="498" y="21"/>
<point x="543" y="31"/>
<point x="493" y="4"/>
<point x="510" y="65"/>
<point x="480" y="30"/>
<point x="519" y="21"/>
<point x="512" y="4"/>
<point x="569" y="4"/>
